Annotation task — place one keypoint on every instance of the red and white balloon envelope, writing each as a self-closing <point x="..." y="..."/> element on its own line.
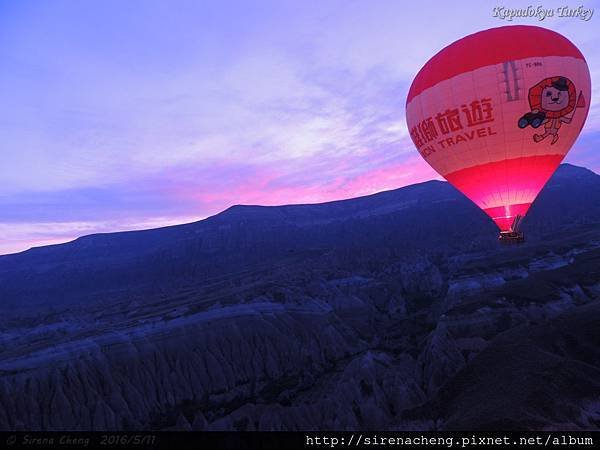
<point x="496" y="112"/>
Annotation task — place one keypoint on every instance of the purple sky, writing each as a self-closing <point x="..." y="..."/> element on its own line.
<point x="125" y="115"/>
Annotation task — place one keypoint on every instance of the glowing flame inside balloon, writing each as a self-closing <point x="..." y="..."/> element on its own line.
<point x="497" y="111"/>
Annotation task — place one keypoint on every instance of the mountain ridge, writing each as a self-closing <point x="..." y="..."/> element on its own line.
<point x="430" y="217"/>
<point x="236" y="210"/>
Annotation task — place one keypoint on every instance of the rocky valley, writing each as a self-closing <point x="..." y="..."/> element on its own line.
<point x="396" y="311"/>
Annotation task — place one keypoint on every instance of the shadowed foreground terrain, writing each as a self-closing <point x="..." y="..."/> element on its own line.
<point x="395" y="311"/>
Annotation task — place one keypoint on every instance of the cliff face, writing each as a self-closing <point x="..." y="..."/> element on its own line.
<point x="375" y="313"/>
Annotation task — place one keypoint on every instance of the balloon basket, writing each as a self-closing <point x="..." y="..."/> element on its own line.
<point x="511" y="237"/>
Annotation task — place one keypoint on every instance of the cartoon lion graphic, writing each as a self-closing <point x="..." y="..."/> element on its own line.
<point x="551" y="101"/>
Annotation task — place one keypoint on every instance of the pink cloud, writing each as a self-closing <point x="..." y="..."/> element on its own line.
<point x="274" y="185"/>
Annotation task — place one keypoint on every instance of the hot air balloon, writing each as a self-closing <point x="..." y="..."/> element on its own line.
<point x="496" y="112"/>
